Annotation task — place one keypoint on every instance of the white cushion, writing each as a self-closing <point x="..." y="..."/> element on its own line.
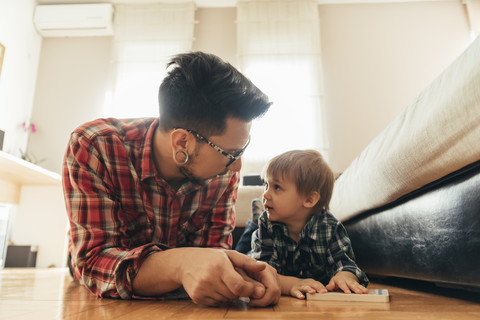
<point x="435" y="135"/>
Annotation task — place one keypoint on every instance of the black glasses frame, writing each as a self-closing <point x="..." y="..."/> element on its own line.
<point x="230" y="156"/>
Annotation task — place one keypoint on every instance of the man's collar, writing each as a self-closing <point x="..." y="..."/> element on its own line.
<point x="147" y="163"/>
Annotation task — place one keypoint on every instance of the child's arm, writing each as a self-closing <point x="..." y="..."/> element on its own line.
<point x="340" y="255"/>
<point x="347" y="282"/>
<point x="296" y="287"/>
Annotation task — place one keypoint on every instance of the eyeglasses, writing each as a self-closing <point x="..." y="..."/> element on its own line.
<point x="232" y="157"/>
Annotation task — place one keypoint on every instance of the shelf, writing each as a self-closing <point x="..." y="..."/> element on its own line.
<point x="15" y="173"/>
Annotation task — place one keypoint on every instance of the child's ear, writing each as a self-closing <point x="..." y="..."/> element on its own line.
<point x="312" y="199"/>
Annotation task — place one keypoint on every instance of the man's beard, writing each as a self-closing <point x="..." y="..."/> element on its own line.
<point x="185" y="170"/>
<point x="190" y="176"/>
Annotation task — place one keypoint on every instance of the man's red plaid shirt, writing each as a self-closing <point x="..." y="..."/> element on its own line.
<point x="121" y="211"/>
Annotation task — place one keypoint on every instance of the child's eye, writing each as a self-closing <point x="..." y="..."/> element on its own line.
<point x="277" y="187"/>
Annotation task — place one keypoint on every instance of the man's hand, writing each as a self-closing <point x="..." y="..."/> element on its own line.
<point x="266" y="275"/>
<point x="207" y="275"/>
<point x="347" y="282"/>
<point x="210" y="278"/>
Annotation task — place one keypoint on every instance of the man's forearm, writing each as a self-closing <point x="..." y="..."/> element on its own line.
<point x="159" y="273"/>
<point x="208" y="275"/>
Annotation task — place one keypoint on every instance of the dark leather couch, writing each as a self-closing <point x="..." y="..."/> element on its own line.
<point x="431" y="234"/>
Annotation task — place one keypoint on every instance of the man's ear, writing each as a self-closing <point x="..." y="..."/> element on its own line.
<point x="179" y="139"/>
<point x="312" y="199"/>
<point x="181" y="142"/>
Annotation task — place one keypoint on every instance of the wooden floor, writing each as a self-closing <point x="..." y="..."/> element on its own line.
<point x="50" y="294"/>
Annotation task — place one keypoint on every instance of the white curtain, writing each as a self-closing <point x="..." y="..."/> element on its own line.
<point x="146" y="36"/>
<point x="279" y="50"/>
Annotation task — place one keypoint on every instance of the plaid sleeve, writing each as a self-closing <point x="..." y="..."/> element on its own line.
<point x="263" y="244"/>
<point x="340" y="254"/>
<point x="101" y="257"/>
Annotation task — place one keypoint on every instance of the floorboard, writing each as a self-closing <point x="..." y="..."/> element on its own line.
<point x="51" y="294"/>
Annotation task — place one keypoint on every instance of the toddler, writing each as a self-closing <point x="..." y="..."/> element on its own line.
<point x="297" y="234"/>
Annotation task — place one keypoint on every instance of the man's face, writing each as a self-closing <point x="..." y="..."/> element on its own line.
<point x="207" y="162"/>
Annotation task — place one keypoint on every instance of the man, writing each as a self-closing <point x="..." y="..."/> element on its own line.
<point x="151" y="201"/>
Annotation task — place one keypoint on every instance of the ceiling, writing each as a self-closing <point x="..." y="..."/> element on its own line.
<point x="216" y="3"/>
<point x="200" y="3"/>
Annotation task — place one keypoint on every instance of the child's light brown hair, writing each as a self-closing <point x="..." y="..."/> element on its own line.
<point x="308" y="170"/>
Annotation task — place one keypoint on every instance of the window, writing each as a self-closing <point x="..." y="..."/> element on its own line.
<point x="279" y="50"/>
<point x="146" y="36"/>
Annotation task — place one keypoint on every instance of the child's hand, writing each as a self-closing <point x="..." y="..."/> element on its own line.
<point x="306" y="286"/>
<point x="347" y="282"/>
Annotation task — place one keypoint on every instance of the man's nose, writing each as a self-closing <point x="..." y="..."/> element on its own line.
<point x="236" y="165"/>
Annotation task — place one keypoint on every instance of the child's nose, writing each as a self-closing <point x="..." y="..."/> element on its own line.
<point x="266" y="194"/>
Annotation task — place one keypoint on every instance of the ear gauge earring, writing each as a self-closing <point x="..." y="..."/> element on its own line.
<point x="183" y="158"/>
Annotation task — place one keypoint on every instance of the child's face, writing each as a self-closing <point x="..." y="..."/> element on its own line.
<point x="282" y="201"/>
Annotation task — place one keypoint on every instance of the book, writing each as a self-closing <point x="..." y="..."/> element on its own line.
<point x="373" y="295"/>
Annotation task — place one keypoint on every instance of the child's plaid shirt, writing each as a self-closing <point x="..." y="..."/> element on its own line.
<point x="323" y="249"/>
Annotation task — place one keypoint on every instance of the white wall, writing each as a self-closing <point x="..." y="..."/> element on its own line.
<point x="216" y="32"/>
<point x="71" y="88"/>
<point x="19" y="71"/>
<point x="377" y="58"/>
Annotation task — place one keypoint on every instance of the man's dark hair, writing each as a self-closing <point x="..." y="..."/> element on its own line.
<point x="201" y="90"/>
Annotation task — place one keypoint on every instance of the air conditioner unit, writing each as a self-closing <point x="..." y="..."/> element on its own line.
<point x="74" y="20"/>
